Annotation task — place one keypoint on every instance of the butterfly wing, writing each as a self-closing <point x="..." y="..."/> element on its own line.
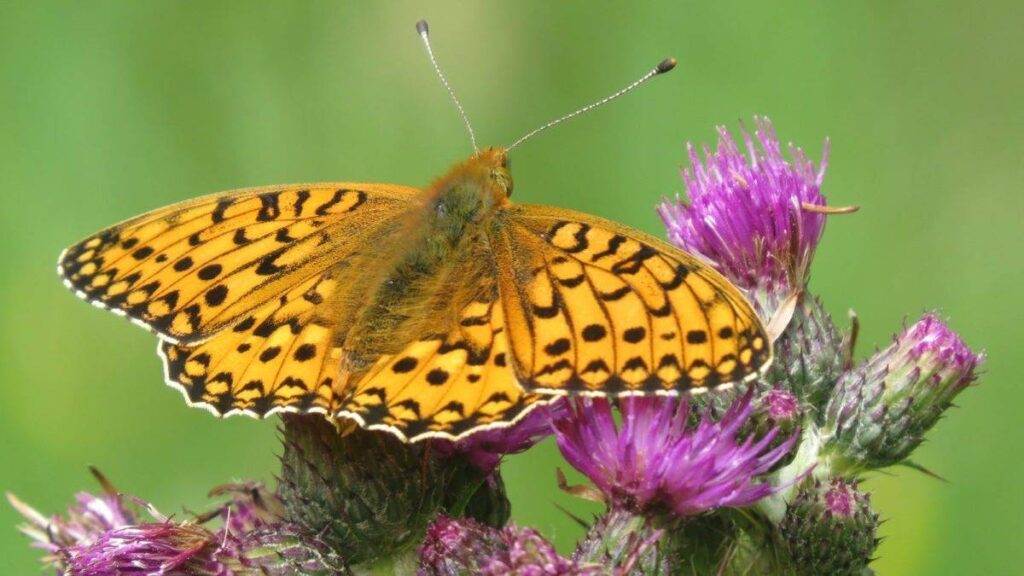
<point x="192" y="269"/>
<point x="452" y="381"/>
<point x="593" y="307"/>
<point x="282" y="355"/>
<point x="250" y="291"/>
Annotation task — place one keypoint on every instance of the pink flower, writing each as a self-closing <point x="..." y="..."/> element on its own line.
<point x="658" y="458"/>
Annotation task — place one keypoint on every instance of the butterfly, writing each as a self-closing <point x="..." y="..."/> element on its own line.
<point x="428" y="313"/>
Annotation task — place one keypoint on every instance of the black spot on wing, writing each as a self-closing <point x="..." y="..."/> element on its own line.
<point x="635" y="261"/>
<point x="300" y="199"/>
<point x="267" y="265"/>
<point x="558" y="347"/>
<point x="269" y="210"/>
<point x="614" y="295"/>
<point x="210" y="271"/>
<point x="437" y="377"/>
<point x="215" y="296"/>
<point x="183" y="264"/>
<point x="613" y="246"/>
<point x="681" y="272"/>
<point x="218" y="212"/>
<point x="635" y="335"/>
<point x="283" y="237"/>
<point x="245" y="324"/>
<point x="405" y="365"/>
<point x="304" y="352"/>
<point x="270" y="353"/>
<point x="142" y="253"/>
<point x="594" y="333"/>
<point x="572" y="282"/>
<point x="696" y="337"/>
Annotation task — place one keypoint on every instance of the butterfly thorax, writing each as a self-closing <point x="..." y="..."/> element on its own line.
<point x="432" y="268"/>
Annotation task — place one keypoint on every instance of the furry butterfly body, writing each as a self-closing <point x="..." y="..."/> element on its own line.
<point x="426" y="313"/>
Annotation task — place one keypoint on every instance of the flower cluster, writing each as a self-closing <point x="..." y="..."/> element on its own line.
<point x="110" y="534"/>
<point x="762" y="478"/>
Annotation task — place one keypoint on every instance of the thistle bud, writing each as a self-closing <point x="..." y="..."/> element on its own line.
<point x="830" y="528"/>
<point x="810" y="353"/>
<point x="628" y="543"/>
<point x="881" y="410"/>
<point x="366" y="494"/>
<point x="777" y="409"/>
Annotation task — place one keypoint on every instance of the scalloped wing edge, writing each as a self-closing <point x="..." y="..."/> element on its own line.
<point x="358" y="419"/>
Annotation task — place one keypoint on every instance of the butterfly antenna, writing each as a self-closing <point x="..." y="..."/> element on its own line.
<point x="424" y="31"/>
<point x="665" y="66"/>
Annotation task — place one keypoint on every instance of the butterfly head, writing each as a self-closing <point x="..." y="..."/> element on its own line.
<point x="495" y="166"/>
<point x="473" y="190"/>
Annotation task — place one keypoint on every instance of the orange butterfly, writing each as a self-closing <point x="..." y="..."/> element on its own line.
<point x="426" y="313"/>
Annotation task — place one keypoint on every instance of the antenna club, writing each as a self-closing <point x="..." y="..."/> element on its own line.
<point x="422" y="28"/>
<point x="666" y="65"/>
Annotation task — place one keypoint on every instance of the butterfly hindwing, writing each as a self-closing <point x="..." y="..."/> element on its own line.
<point x="192" y="269"/>
<point x="594" y="307"/>
<point x="280" y="356"/>
<point x="447" y="383"/>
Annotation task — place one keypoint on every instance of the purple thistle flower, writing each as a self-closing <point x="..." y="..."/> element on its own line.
<point x="881" y="410"/>
<point x="154" y="548"/>
<point x="746" y="215"/>
<point x="656" y="458"/>
<point x="106" y="536"/>
<point x="102" y="536"/>
<point x="465" y="546"/>
<point x="486" y="449"/>
<point x="87" y="521"/>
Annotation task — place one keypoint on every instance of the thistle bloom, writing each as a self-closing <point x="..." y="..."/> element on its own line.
<point x="747" y="216"/>
<point x="87" y="521"/>
<point x="881" y="410"/>
<point x="464" y="546"/>
<point x="486" y="449"/>
<point x="110" y="535"/>
<point x="657" y="459"/>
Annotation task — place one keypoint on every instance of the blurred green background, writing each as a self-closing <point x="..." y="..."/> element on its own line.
<point x="110" y="109"/>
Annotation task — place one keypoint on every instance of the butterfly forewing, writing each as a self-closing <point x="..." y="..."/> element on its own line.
<point x="594" y="307"/>
<point x="192" y="269"/>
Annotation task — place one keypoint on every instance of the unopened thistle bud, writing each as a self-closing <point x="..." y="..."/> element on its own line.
<point x="830" y="528"/>
<point x="810" y="354"/>
<point x="881" y="410"/>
